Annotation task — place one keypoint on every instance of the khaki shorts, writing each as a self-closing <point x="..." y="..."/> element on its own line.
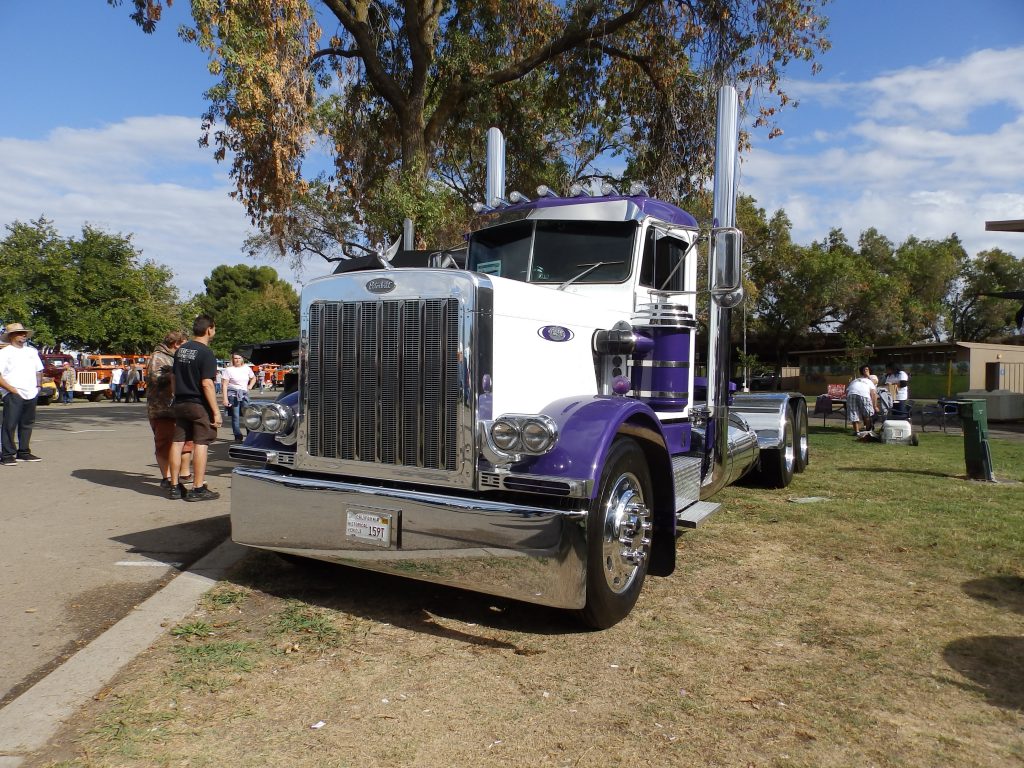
<point x="192" y="422"/>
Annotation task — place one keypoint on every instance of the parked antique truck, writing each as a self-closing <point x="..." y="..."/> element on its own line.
<point x="529" y="426"/>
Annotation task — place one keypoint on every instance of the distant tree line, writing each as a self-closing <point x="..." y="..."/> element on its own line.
<point x="95" y="293"/>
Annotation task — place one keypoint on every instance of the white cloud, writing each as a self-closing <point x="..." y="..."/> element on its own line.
<point x="144" y="176"/>
<point x="906" y="163"/>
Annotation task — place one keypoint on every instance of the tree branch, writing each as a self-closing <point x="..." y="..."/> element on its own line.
<point x="575" y="32"/>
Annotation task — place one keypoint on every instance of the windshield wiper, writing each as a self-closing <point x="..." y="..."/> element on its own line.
<point x="589" y="268"/>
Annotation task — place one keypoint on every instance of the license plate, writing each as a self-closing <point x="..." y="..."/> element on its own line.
<point x="369" y="526"/>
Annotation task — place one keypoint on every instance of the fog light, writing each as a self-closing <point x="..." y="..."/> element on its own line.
<point x="252" y="417"/>
<point x="505" y="434"/>
<point x="538" y="437"/>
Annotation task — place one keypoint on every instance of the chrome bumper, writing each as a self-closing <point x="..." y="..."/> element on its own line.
<point x="527" y="553"/>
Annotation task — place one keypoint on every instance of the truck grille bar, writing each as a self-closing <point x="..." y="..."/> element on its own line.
<point x="382" y="382"/>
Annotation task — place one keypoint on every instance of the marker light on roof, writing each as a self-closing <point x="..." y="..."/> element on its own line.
<point x="517" y="197"/>
<point x="638" y="188"/>
<point x="577" y="190"/>
<point x="545" y="191"/>
<point x="608" y="189"/>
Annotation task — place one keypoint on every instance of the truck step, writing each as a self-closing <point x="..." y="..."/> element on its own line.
<point x="697" y="513"/>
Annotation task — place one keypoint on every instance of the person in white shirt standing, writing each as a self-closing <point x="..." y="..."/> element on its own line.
<point x="236" y="381"/>
<point x="21" y="373"/>
<point x="900" y="380"/>
<point x="861" y="400"/>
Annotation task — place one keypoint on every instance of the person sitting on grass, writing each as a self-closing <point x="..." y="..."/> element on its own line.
<point x="861" y="400"/>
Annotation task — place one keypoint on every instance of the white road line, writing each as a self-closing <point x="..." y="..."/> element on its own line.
<point x="148" y="563"/>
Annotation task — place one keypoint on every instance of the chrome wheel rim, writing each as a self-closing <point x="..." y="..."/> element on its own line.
<point x="790" y="450"/>
<point x="626" y="534"/>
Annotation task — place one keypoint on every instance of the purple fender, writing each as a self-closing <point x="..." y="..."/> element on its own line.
<point x="587" y="426"/>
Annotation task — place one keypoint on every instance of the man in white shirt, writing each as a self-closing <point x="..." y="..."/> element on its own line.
<point x="861" y="399"/>
<point x="21" y="373"/>
<point x="900" y="380"/>
<point x="236" y="381"/>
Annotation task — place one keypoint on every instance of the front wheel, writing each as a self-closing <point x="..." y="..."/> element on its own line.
<point x="619" y="526"/>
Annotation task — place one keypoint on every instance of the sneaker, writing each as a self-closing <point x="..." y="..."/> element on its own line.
<point x="28" y="457"/>
<point x="177" y="492"/>
<point x="202" y="493"/>
<point x="239" y="438"/>
<point x="8" y="461"/>
<point x="165" y="483"/>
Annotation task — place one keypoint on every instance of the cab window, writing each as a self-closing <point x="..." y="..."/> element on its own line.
<point x="662" y="267"/>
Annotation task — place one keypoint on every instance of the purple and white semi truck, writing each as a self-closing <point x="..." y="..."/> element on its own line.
<point x="529" y="426"/>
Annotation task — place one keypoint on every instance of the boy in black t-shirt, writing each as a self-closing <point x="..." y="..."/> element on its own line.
<point x="196" y="414"/>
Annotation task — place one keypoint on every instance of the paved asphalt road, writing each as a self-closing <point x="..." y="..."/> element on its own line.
<point x="87" y="533"/>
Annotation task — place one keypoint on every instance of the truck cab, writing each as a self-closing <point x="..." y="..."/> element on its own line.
<point x="529" y="426"/>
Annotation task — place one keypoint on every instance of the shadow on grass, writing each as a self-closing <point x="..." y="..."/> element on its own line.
<point x="995" y="666"/>
<point x="892" y="470"/>
<point x="1000" y="591"/>
<point x="403" y="602"/>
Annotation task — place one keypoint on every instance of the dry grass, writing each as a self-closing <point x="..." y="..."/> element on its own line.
<point x="883" y="626"/>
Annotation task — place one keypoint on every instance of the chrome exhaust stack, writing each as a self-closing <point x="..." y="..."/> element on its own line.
<point x="725" y="284"/>
<point x="495" y="167"/>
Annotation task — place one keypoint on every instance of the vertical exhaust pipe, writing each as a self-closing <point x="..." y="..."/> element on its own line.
<point x="722" y="300"/>
<point x="495" y="167"/>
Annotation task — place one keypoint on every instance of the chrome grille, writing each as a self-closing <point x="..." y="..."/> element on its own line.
<point x="382" y="382"/>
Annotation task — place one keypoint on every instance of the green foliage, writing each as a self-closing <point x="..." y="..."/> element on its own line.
<point x="91" y="293"/>
<point x="401" y="94"/>
<point x="974" y="317"/>
<point x="249" y="305"/>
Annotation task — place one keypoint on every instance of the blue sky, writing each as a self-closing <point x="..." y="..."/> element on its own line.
<point x="914" y="126"/>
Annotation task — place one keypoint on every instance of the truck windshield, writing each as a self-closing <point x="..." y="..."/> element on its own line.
<point x="555" y="251"/>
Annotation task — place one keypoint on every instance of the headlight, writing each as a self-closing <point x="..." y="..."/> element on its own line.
<point x="505" y="434"/>
<point x="277" y="418"/>
<point x="252" y="417"/>
<point x="538" y="436"/>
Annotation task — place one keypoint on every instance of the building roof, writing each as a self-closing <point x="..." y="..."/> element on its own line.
<point x="1008" y="225"/>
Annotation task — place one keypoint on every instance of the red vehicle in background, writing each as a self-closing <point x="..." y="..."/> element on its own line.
<point x="53" y="369"/>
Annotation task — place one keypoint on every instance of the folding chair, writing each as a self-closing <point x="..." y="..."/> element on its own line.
<point x="940" y="414"/>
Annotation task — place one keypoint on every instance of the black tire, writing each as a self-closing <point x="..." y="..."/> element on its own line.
<point x="619" y="528"/>
<point x="803" y="446"/>
<point x="94" y="396"/>
<point x="779" y="464"/>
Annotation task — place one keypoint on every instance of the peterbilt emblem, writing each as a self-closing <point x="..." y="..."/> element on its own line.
<point x="380" y="285"/>
<point x="554" y="333"/>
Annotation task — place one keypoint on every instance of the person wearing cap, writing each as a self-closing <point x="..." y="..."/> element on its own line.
<point x="21" y="373"/>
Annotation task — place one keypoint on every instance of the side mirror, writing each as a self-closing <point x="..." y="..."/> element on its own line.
<point x="727" y="267"/>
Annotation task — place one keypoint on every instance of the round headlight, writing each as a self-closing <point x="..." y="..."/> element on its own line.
<point x="505" y="434"/>
<point x="252" y="417"/>
<point x="537" y="437"/>
<point x="271" y="419"/>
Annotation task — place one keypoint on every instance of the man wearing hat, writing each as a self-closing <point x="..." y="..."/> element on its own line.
<point x="21" y="373"/>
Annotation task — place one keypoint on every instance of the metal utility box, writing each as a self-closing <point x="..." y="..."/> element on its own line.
<point x="977" y="456"/>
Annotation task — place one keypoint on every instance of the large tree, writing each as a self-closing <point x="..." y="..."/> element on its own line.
<point x="975" y="316"/>
<point x="249" y="304"/>
<point x="399" y="93"/>
<point x="94" y="292"/>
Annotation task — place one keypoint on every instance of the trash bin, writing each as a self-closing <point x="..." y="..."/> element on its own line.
<point x="977" y="457"/>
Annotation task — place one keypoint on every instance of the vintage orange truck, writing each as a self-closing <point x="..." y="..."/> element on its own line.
<point x="94" y="375"/>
